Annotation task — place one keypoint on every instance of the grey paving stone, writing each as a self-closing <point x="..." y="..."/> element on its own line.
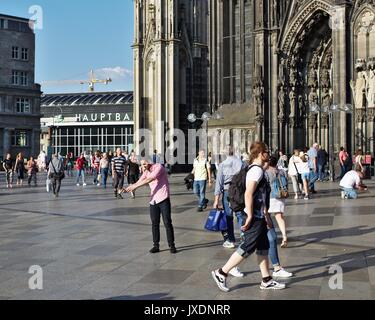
<point x="166" y="276"/>
<point x="100" y="250"/>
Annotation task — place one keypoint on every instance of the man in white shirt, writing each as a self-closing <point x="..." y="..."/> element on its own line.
<point x="350" y="182"/>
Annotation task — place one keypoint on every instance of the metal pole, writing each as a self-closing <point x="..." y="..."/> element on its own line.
<point x="331" y="149"/>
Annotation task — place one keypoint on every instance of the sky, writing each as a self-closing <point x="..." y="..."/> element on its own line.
<point x="75" y="36"/>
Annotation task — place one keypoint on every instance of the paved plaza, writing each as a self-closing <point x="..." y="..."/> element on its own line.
<point x="92" y="246"/>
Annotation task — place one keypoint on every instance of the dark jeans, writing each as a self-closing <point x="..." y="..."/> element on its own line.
<point x="229" y="233"/>
<point x="118" y="180"/>
<point x="321" y="175"/>
<point x="104" y="172"/>
<point x="56" y="184"/>
<point x="313" y="177"/>
<point x="163" y="208"/>
<point x="31" y="176"/>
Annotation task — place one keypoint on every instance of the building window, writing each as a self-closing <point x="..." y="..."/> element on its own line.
<point x="23" y="78"/>
<point x="15" y="77"/>
<point x="23" y="105"/>
<point x="15" y="53"/>
<point x="19" y="138"/>
<point x="25" y="54"/>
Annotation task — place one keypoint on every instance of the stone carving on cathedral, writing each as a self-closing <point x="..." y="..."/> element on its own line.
<point x="282" y="71"/>
<point x="359" y="86"/>
<point x="258" y="92"/>
<point x="293" y="101"/>
<point x="371" y="84"/>
<point x="301" y="106"/>
<point x="326" y="98"/>
<point x="312" y="78"/>
<point x="313" y="97"/>
<point x="281" y="102"/>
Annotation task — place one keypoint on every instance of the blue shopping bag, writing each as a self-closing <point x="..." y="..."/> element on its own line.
<point x="216" y="221"/>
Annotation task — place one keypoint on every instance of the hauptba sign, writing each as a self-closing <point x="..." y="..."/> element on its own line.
<point x="104" y="117"/>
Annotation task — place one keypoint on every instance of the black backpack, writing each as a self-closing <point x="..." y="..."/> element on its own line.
<point x="237" y="189"/>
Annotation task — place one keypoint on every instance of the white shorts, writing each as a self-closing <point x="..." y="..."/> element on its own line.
<point x="276" y="206"/>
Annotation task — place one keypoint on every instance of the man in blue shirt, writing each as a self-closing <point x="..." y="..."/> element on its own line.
<point x="313" y="165"/>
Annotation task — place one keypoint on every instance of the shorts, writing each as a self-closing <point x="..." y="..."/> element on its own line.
<point x="305" y="176"/>
<point x="277" y="206"/>
<point x="255" y="238"/>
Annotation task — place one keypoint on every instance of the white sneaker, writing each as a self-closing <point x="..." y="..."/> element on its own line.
<point x="220" y="280"/>
<point x="77" y="184"/>
<point x="296" y="197"/>
<point x="98" y="184"/>
<point x="272" y="285"/>
<point x="229" y="245"/>
<point x="342" y="194"/>
<point x="85" y="184"/>
<point x="235" y="272"/>
<point x="282" y="273"/>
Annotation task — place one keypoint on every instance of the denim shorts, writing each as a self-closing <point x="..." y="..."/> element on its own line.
<point x="305" y="176"/>
<point x="256" y="239"/>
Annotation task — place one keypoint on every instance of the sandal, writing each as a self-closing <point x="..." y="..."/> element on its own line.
<point x="284" y="244"/>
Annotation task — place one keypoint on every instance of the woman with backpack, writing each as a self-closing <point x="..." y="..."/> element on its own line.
<point x="257" y="222"/>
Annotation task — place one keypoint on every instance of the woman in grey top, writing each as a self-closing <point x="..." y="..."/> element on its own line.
<point x="55" y="172"/>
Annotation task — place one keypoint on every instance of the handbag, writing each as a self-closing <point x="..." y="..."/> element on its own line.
<point x="216" y="221"/>
<point x="283" y="193"/>
<point x="299" y="176"/>
<point x="60" y="175"/>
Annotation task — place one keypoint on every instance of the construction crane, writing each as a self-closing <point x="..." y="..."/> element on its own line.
<point x="91" y="82"/>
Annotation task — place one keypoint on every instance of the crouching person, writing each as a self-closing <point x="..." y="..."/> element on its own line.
<point x="349" y="183"/>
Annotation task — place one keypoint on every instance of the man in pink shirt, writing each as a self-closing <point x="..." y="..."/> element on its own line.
<point x="156" y="177"/>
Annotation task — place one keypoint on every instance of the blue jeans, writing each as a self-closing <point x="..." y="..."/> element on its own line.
<point x="228" y="234"/>
<point x="104" y="172"/>
<point x="200" y="191"/>
<point x="321" y="171"/>
<point x="81" y="172"/>
<point x="95" y="172"/>
<point x="313" y="177"/>
<point x="272" y="253"/>
<point x="350" y="193"/>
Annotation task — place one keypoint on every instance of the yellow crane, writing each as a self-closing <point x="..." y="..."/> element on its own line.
<point x="91" y="82"/>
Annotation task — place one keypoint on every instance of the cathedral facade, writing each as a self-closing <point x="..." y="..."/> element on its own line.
<point x="262" y="64"/>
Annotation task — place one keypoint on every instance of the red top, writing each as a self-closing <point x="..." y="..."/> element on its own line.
<point x="80" y="163"/>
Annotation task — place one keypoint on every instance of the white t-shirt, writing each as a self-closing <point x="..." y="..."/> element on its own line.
<point x="254" y="174"/>
<point x="292" y="168"/>
<point x="350" y="180"/>
<point x="200" y="170"/>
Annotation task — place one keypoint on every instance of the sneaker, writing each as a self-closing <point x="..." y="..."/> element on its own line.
<point x="132" y="195"/>
<point x="205" y="204"/>
<point x="235" y="272"/>
<point x="84" y="184"/>
<point x="98" y="184"/>
<point x="296" y="197"/>
<point x="342" y="194"/>
<point x="119" y="196"/>
<point x="282" y="273"/>
<point x="220" y="280"/>
<point x="272" y="285"/>
<point x="200" y="209"/>
<point x="77" y="184"/>
<point x="229" y="245"/>
<point x="155" y="249"/>
<point x="306" y="198"/>
<point x="173" y="250"/>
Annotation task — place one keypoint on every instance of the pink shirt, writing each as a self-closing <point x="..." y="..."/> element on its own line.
<point x="159" y="186"/>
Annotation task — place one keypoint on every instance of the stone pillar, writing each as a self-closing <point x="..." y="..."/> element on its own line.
<point x="340" y="78"/>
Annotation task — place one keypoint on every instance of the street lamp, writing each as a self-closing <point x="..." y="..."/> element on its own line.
<point x="330" y="110"/>
<point x="206" y="116"/>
